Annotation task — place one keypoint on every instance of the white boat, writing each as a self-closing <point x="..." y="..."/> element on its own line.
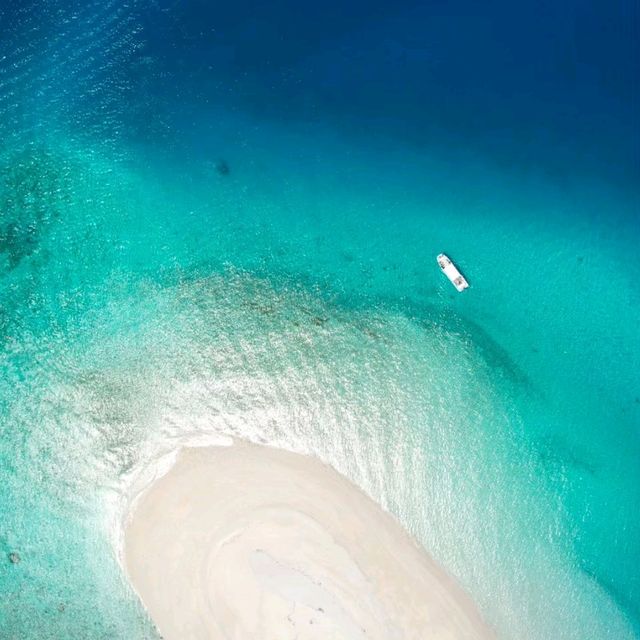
<point x="451" y="271"/>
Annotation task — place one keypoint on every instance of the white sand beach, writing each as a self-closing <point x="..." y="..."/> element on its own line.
<point x="249" y="542"/>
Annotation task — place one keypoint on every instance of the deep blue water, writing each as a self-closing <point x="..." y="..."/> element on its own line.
<point x="512" y="80"/>
<point x="223" y="220"/>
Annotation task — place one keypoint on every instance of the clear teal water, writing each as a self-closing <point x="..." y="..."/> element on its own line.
<point x="150" y="300"/>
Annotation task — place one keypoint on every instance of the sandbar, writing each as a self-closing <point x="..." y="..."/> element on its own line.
<point x="250" y="542"/>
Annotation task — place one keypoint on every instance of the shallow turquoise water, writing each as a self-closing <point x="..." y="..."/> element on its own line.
<point x="149" y="300"/>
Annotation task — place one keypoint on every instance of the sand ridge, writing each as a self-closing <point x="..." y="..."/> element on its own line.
<point x="250" y="542"/>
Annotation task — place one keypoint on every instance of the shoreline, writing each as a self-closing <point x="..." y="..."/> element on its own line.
<point x="247" y="541"/>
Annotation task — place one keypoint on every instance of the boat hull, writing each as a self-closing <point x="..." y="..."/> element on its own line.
<point x="451" y="271"/>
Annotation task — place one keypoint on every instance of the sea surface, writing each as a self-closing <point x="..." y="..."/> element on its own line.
<point x="221" y="220"/>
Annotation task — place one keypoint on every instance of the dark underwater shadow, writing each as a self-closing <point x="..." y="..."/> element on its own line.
<point x="34" y="189"/>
